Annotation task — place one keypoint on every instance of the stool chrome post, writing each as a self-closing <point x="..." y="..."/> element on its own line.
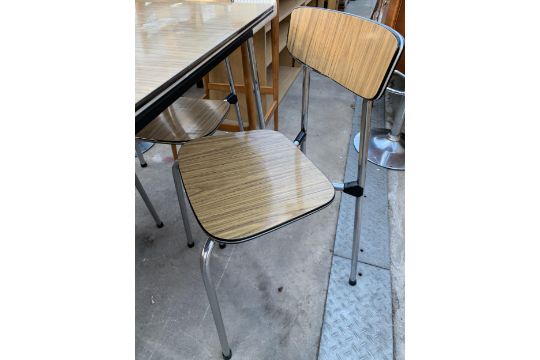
<point x="182" y="202"/>
<point x="395" y="132"/>
<point x="387" y="147"/>
<point x="212" y="298"/>
<point x="305" y="107"/>
<point x="365" y="124"/>
<point x="139" y="154"/>
<point x="147" y="202"/>
<point x="231" y="87"/>
<point x="255" y="82"/>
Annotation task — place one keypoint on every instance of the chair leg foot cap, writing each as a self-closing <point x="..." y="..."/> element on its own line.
<point x="222" y="246"/>
<point x="160" y="225"/>
<point x="191" y="245"/>
<point x="227" y="357"/>
<point x="351" y="282"/>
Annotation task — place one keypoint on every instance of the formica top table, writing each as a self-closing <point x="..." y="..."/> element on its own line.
<point x="179" y="41"/>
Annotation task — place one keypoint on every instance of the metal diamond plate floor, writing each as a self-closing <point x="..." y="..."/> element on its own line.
<point x="358" y="320"/>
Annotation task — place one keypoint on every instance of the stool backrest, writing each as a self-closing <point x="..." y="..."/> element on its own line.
<point x="356" y="52"/>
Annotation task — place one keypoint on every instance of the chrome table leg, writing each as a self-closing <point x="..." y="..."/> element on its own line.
<point x="231" y="86"/>
<point x="256" y="87"/>
<point x="182" y="202"/>
<point x="212" y="298"/>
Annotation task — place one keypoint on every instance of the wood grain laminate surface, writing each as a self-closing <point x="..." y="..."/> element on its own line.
<point x="241" y="185"/>
<point x="353" y="51"/>
<point x="172" y="35"/>
<point x="186" y="119"/>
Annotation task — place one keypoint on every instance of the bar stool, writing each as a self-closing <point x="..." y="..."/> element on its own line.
<point x="189" y="119"/>
<point x="386" y="146"/>
<point x="147" y="202"/>
<point x="274" y="184"/>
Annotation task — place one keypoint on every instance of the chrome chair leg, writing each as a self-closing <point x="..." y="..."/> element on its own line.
<point x="212" y="298"/>
<point x="365" y="125"/>
<point x="182" y="202"/>
<point x="231" y="87"/>
<point x="147" y="202"/>
<point x="140" y="155"/>
<point x="356" y="240"/>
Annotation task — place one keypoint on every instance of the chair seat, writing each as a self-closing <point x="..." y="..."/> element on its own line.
<point x="242" y="185"/>
<point x="186" y="119"/>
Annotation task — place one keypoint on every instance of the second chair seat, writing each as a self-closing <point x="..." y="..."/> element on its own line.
<point x="186" y="119"/>
<point x="242" y="185"/>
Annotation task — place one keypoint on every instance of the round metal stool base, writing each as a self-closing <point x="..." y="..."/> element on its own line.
<point x="383" y="151"/>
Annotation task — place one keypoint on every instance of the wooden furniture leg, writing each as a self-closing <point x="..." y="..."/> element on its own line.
<point x="333" y="4"/>
<point x="206" y="89"/>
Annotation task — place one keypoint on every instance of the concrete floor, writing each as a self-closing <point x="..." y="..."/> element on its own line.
<point x="272" y="290"/>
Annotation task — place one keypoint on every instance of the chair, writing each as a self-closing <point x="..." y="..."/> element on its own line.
<point x="236" y="199"/>
<point x="185" y="120"/>
<point x="147" y="202"/>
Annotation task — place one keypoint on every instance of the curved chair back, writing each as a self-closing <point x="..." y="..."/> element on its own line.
<point x="356" y="52"/>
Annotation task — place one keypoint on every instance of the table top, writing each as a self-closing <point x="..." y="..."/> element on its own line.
<point x="174" y="36"/>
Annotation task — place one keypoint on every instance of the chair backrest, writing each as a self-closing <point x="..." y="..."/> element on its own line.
<point x="356" y="52"/>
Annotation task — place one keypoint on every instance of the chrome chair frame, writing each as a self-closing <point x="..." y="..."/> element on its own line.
<point x="300" y="141"/>
<point x="182" y="203"/>
<point x="354" y="188"/>
<point x="147" y="202"/>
